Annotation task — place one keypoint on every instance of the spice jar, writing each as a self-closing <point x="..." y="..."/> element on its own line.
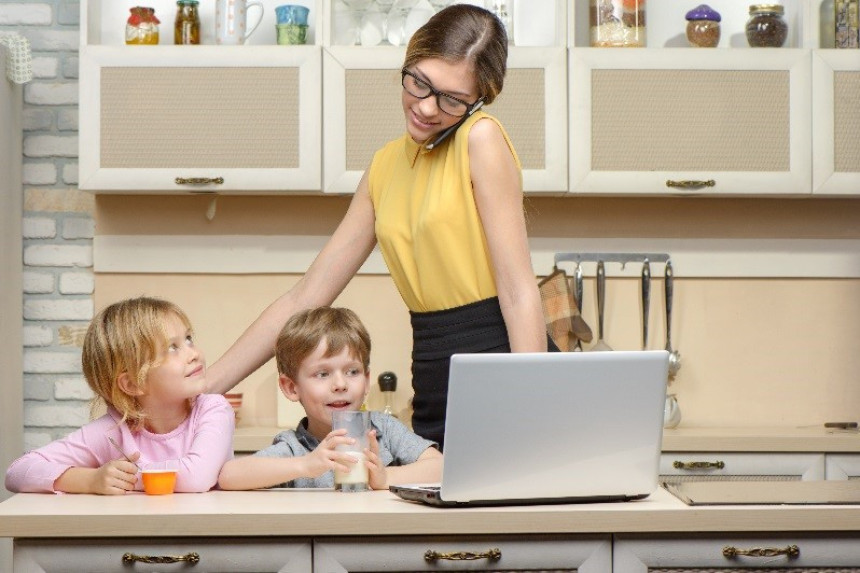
<point x="142" y="26"/>
<point x="703" y="27"/>
<point x="617" y="23"/>
<point x="765" y="27"/>
<point x="847" y="24"/>
<point x="186" y="27"/>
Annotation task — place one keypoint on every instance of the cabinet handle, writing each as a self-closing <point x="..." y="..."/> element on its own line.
<point x="679" y="465"/>
<point x="199" y="180"/>
<point x="688" y="184"/>
<point x="491" y="555"/>
<point x="791" y="551"/>
<point x="129" y="558"/>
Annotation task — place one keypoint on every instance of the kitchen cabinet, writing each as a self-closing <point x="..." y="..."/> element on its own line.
<point x="581" y="554"/>
<point x="842" y="466"/>
<point x="739" y="552"/>
<point x="836" y="115"/>
<point x="733" y="466"/>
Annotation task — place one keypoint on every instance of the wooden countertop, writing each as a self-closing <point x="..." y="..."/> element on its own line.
<point x="682" y="439"/>
<point x="305" y="513"/>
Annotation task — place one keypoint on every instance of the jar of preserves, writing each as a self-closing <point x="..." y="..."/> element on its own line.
<point x="617" y="23"/>
<point x="847" y="24"/>
<point x="703" y="27"/>
<point x="186" y="27"/>
<point x="142" y="26"/>
<point x="765" y="27"/>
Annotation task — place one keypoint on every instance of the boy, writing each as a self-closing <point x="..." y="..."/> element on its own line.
<point x="323" y="357"/>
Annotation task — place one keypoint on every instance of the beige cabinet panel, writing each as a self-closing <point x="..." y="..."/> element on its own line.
<point x="212" y="119"/>
<point x="842" y="466"/>
<point x="836" y="122"/>
<point x="717" y="466"/>
<point x="583" y="554"/>
<point x="801" y="553"/>
<point x="139" y="555"/>
<point x="363" y="111"/>
<point x="690" y="122"/>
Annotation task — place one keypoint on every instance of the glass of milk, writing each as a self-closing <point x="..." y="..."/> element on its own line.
<point x="356" y="424"/>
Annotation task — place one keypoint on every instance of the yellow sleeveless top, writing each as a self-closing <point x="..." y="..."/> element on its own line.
<point x="427" y="222"/>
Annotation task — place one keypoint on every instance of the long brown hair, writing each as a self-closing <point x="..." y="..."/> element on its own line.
<point x="463" y="32"/>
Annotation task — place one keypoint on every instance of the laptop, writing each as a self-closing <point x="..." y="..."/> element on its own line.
<point x="551" y="427"/>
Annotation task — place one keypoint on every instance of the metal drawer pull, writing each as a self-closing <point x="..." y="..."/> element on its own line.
<point x="129" y="558"/>
<point x="679" y="465"/>
<point x="492" y="555"/>
<point x="199" y="180"/>
<point x="694" y="184"/>
<point x="792" y="551"/>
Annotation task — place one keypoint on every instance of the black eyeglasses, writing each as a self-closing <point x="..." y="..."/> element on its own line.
<point x="417" y="87"/>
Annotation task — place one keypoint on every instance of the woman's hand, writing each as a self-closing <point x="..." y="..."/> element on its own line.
<point x="377" y="476"/>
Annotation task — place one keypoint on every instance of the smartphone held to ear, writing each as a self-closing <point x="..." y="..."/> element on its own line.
<point x="444" y="135"/>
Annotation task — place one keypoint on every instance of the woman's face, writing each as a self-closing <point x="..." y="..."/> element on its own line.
<point x="424" y="119"/>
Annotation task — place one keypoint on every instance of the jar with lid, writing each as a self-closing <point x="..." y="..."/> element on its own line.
<point x="617" y="23"/>
<point x="186" y="27"/>
<point x="142" y="26"/>
<point x="765" y="27"/>
<point x="703" y="27"/>
<point x="847" y="24"/>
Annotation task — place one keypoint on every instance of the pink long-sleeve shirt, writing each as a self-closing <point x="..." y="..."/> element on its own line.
<point x="197" y="449"/>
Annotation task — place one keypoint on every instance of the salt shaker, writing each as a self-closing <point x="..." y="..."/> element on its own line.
<point x="388" y="384"/>
<point x="703" y="27"/>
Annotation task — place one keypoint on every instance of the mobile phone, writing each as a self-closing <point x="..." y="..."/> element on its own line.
<point x="442" y="136"/>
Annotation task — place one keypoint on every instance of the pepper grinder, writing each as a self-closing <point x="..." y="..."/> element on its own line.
<point x="388" y="384"/>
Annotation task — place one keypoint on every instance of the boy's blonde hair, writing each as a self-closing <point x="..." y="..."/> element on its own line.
<point x="340" y="327"/>
<point x="130" y="337"/>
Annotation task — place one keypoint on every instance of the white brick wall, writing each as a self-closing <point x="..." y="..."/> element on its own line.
<point x="58" y="280"/>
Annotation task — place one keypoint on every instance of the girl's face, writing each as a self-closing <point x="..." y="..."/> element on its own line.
<point x="324" y="384"/>
<point x="180" y="375"/>
<point x="424" y="119"/>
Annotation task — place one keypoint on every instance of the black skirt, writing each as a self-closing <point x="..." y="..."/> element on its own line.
<point x="472" y="328"/>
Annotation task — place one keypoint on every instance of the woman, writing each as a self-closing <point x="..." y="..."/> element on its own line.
<point x="445" y="204"/>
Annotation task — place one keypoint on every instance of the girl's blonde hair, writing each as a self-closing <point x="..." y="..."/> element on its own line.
<point x="463" y="32"/>
<point x="339" y="327"/>
<point x="129" y="337"/>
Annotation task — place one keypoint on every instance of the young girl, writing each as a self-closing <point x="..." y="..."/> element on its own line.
<point x="139" y="358"/>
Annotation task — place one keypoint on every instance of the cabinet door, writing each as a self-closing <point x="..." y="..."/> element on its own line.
<point x="689" y="122"/>
<point x="583" y="554"/>
<point x="110" y="555"/>
<point x="842" y="466"/>
<point x="836" y="121"/>
<point x="209" y="119"/>
<point x="715" y="466"/>
<point x="363" y="111"/>
<point x="839" y="553"/>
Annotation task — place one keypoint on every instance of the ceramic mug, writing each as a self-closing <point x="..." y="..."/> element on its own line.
<point x="231" y="21"/>
<point x="292" y="24"/>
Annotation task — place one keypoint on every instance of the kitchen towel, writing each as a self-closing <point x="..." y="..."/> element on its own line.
<point x="563" y="321"/>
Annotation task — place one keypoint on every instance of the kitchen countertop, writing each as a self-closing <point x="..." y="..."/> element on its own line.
<point x="306" y="513"/>
<point x="683" y="439"/>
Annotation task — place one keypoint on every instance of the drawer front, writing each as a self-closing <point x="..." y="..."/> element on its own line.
<point x="725" y="554"/>
<point x="842" y="466"/>
<point x="715" y="466"/>
<point x="584" y="554"/>
<point x="138" y="555"/>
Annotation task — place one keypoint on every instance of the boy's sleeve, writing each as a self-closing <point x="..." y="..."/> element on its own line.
<point x="404" y="445"/>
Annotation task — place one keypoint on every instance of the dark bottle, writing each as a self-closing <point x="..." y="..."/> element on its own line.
<point x="388" y="384"/>
<point x="186" y="28"/>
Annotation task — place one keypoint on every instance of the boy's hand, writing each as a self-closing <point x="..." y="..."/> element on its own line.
<point x="325" y="457"/>
<point x="377" y="476"/>
<point x="116" y="477"/>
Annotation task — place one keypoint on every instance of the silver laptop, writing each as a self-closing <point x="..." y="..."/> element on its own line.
<point x="555" y="427"/>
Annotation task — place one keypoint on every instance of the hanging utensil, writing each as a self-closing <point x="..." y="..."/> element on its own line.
<point x="601" y="299"/>
<point x="646" y="301"/>
<point x="577" y="296"/>
<point x="674" y="355"/>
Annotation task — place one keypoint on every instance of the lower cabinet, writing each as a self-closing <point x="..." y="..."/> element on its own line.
<point x="842" y="466"/>
<point x="215" y="555"/>
<point x="791" y="553"/>
<point x="583" y="554"/>
<point x="718" y="466"/>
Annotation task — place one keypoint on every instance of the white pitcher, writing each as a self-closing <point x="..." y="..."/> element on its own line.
<point x="231" y="21"/>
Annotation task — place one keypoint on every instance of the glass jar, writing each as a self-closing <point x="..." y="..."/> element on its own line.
<point x="502" y="10"/>
<point x="617" y="23"/>
<point x="765" y="27"/>
<point x="186" y="27"/>
<point x="142" y="26"/>
<point x="703" y="27"/>
<point x="847" y="16"/>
